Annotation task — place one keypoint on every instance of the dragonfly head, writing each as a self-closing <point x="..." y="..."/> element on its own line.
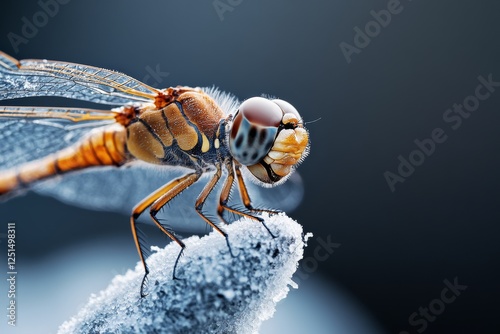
<point x="268" y="137"/>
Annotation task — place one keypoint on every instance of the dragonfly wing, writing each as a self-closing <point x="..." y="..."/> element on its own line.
<point x="120" y="189"/>
<point x="27" y="78"/>
<point x="26" y="139"/>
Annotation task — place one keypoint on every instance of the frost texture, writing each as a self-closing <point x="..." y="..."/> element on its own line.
<point x="217" y="293"/>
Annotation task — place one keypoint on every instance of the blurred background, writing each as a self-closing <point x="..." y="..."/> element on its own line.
<point x="404" y="231"/>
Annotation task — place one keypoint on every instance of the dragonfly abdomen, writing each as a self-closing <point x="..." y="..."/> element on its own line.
<point x="102" y="147"/>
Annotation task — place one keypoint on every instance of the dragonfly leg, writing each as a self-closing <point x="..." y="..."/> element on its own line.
<point x="156" y="201"/>
<point x="245" y="197"/>
<point x="179" y="186"/>
<point x="200" y="201"/>
<point x="226" y="191"/>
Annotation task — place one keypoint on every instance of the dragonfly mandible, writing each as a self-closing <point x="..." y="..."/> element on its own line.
<point x="201" y="131"/>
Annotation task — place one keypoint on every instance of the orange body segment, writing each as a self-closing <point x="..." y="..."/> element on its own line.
<point x="8" y="181"/>
<point x="185" y="134"/>
<point x="155" y="119"/>
<point x="202" y="111"/>
<point x="142" y="144"/>
<point x="102" y="147"/>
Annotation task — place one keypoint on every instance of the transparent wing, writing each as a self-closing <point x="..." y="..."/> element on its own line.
<point x="30" y="133"/>
<point x="56" y="113"/>
<point x="27" y="78"/>
<point x="120" y="189"/>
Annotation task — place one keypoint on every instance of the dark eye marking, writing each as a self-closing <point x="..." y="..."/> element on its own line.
<point x="252" y="134"/>
<point x="262" y="136"/>
<point x="238" y="141"/>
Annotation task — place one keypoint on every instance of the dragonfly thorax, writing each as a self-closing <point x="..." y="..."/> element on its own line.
<point x="182" y="133"/>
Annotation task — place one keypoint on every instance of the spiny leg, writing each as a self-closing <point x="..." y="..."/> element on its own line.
<point x="161" y="195"/>
<point x="245" y="197"/>
<point x="200" y="201"/>
<point x="226" y="191"/>
<point x="164" y="199"/>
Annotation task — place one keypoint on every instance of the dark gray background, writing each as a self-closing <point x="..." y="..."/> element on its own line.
<point x="396" y="247"/>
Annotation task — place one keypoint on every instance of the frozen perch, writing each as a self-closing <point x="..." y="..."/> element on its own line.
<point x="216" y="293"/>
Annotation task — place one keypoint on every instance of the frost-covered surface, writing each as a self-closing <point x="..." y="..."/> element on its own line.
<point x="217" y="293"/>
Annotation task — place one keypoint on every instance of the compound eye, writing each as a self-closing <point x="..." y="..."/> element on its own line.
<point x="293" y="115"/>
<point x="254" y="129"/>
<point x="261" y="112"/>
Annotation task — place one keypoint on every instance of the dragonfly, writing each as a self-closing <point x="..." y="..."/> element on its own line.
<point x="173" y="140"/>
